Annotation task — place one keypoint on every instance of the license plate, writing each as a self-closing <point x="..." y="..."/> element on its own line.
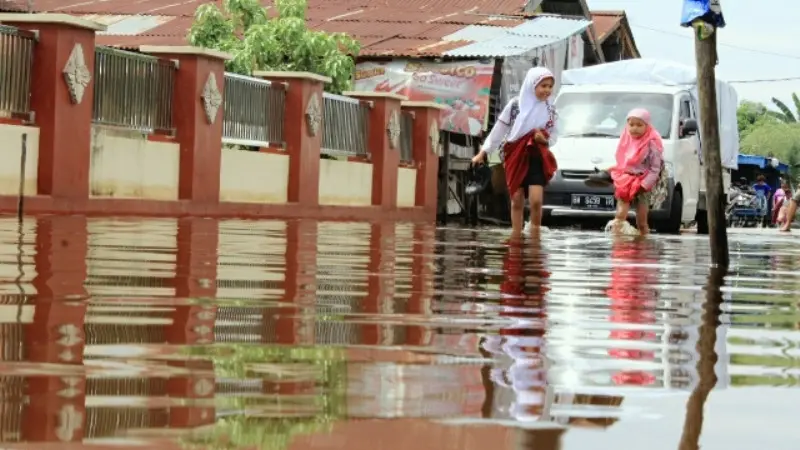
<point x="599" y="202"/>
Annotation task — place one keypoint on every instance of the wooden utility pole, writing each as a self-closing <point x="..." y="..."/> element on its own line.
<point x="706" y="57"/>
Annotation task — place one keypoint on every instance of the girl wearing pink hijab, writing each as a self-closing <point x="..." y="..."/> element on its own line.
<point x="639" y="164"/>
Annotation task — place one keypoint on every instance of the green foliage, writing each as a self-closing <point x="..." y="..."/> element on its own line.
<point x="265" y="421"/>
<point x="786" y="115"/>
<point x="770" y="133"/>
<point x="772" y="139"/>
<point x="751" y="115"/>
<point x="274" y="38"/>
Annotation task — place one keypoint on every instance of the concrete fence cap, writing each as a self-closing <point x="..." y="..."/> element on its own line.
<point x="433" y="105"/>
<point x="54" y="19"/>
<point x="375" y="95"/>
<point x="292" y="75"/>
<point x="184" y="50"/>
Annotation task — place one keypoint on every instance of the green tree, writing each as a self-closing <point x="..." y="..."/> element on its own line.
<point x="776" y="139"/>
<point x="785" y="114"/>
<point x="274" y="38"/>
<point x="751" y="115"/>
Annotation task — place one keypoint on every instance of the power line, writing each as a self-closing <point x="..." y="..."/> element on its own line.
<point x="764" y="80"/>
<point x="736" y="47"/>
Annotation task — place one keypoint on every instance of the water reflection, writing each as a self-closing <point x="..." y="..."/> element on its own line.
<point x="300" y="335"/>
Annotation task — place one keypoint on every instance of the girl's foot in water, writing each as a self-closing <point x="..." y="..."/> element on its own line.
<point x="532" y="230"/>
<point x="619" y="227"/>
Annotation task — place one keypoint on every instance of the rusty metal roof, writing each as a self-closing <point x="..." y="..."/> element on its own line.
<point x="391" y="28"/>
<point x="606" y="22"/>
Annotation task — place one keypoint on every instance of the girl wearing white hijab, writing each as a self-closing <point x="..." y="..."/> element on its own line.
<point x="524" y="131"/>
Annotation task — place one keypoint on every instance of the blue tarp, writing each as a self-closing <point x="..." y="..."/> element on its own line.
<point x="762" y="162"/>
<point x="708" y="10"/>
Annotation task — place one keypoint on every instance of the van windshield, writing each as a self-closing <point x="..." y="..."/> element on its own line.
<point x="603" y="114"/>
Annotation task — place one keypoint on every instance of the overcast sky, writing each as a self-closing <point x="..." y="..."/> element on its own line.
<point x="757" y="43"/>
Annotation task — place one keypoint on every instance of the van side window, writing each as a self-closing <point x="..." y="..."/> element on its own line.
<point x="686" y="110"/>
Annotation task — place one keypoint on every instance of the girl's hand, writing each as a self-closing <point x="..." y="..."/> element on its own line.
<point x="539" y="138"/>
<point x="478" y="159"/>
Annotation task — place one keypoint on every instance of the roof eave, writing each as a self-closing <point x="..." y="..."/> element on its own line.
<point x="627" y="27"/>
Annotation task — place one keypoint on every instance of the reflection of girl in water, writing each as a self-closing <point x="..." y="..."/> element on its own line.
<point x="523" y="291"/>
<point x="633" y="301"/>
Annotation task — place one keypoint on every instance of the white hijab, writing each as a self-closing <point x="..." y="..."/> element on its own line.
<point x="533" y="113"/>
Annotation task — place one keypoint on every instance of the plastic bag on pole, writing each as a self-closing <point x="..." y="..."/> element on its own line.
<point x="707" y="10"/>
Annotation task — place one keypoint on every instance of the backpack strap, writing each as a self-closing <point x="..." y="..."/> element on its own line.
<point x="514" y="111"/>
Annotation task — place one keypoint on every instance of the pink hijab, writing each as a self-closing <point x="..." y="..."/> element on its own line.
<point x="631" y="151"/>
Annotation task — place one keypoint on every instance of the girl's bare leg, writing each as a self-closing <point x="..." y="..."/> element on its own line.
<point x="622" y="215"/>
<point x="642" y="211"/>
<point x="791" y="210"/>
<point x="536" y="198"/>
<point x="517" y="211"/>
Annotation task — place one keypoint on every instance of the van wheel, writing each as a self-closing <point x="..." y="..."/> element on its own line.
<point x="672" y="225"/>
<point x="702" y="221"/>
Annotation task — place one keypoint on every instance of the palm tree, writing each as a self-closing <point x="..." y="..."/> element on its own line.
<point x="785" y="114"/>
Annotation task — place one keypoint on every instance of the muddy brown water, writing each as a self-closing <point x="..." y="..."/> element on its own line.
<point x="197" y="333"/>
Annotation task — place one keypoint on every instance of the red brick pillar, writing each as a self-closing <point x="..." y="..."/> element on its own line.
<point x="197" y="111"/>
<point x="56" y="411"/>
<point x="295" y="324"/>
<point x="426" y="152"/>
<point x="419" y="304"/>
<point x="196" y="279"/>
<point x="62" y="93"/>
<point x="193" y="324"/>
<point x="196" y="389"/>
<point x="380" y="283"/>
<point x="302" y="132"/>
<point x="383" y="143"/>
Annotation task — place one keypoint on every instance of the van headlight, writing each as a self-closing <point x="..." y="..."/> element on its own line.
<point x="670" y="169"/>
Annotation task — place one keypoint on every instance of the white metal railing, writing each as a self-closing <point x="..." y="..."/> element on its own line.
<point x="16" y="62"/>
<point x="346" y="122"/>
<point x="254" y="111"/>
<point x="132" y="90"/>
<point x="407" y="137"/>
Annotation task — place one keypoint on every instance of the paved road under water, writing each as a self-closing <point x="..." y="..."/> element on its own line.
<point x="206" y="334"/>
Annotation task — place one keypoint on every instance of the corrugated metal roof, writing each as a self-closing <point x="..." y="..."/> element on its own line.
<point x="384" y="27"/>
<point x="606" y="22"/>
<point x="500" y="42"/>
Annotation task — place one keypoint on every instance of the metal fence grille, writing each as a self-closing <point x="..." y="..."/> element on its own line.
<point x="254" y="111"/>
<point x="407" y="137"/>
<point x="133" y="91"/>
<point x="108" y="421"/>
<point x="16" y="61"/>
<point x="346" y="121"/>
<point x="13" y="339"/>
<point x="247" y="325"/>
<point x="12" y="405"/>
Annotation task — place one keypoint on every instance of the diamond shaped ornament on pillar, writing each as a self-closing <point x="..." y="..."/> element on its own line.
<point x="433" y="136"/>
<point x="212" y="98"/>
<point x="393" y="128"/>
<point x="77" y="74"/>
<point x="313" y="115"/>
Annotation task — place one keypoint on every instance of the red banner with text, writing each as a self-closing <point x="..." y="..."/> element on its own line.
<point x="463" y="86"/>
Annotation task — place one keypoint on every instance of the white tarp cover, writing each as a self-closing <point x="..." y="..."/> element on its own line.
<point x="667" y="73"/>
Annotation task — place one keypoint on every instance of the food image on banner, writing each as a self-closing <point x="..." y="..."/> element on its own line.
<point x="461" y="85"/>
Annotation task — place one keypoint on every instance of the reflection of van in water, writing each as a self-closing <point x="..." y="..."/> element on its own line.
<point x="592" y="106"/>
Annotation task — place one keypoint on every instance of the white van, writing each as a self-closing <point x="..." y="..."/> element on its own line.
<point x="592" y="106"/>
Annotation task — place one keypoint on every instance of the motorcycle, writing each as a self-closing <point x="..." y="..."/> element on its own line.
<point x="745" y="207"/>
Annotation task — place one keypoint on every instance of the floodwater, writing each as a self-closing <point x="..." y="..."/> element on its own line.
<point x="205" y="334"/>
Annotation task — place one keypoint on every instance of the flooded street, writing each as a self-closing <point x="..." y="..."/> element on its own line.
<point x="197" y="333"/>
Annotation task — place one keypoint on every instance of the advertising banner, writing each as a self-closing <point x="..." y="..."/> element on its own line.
<point x="461" y="85"/>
